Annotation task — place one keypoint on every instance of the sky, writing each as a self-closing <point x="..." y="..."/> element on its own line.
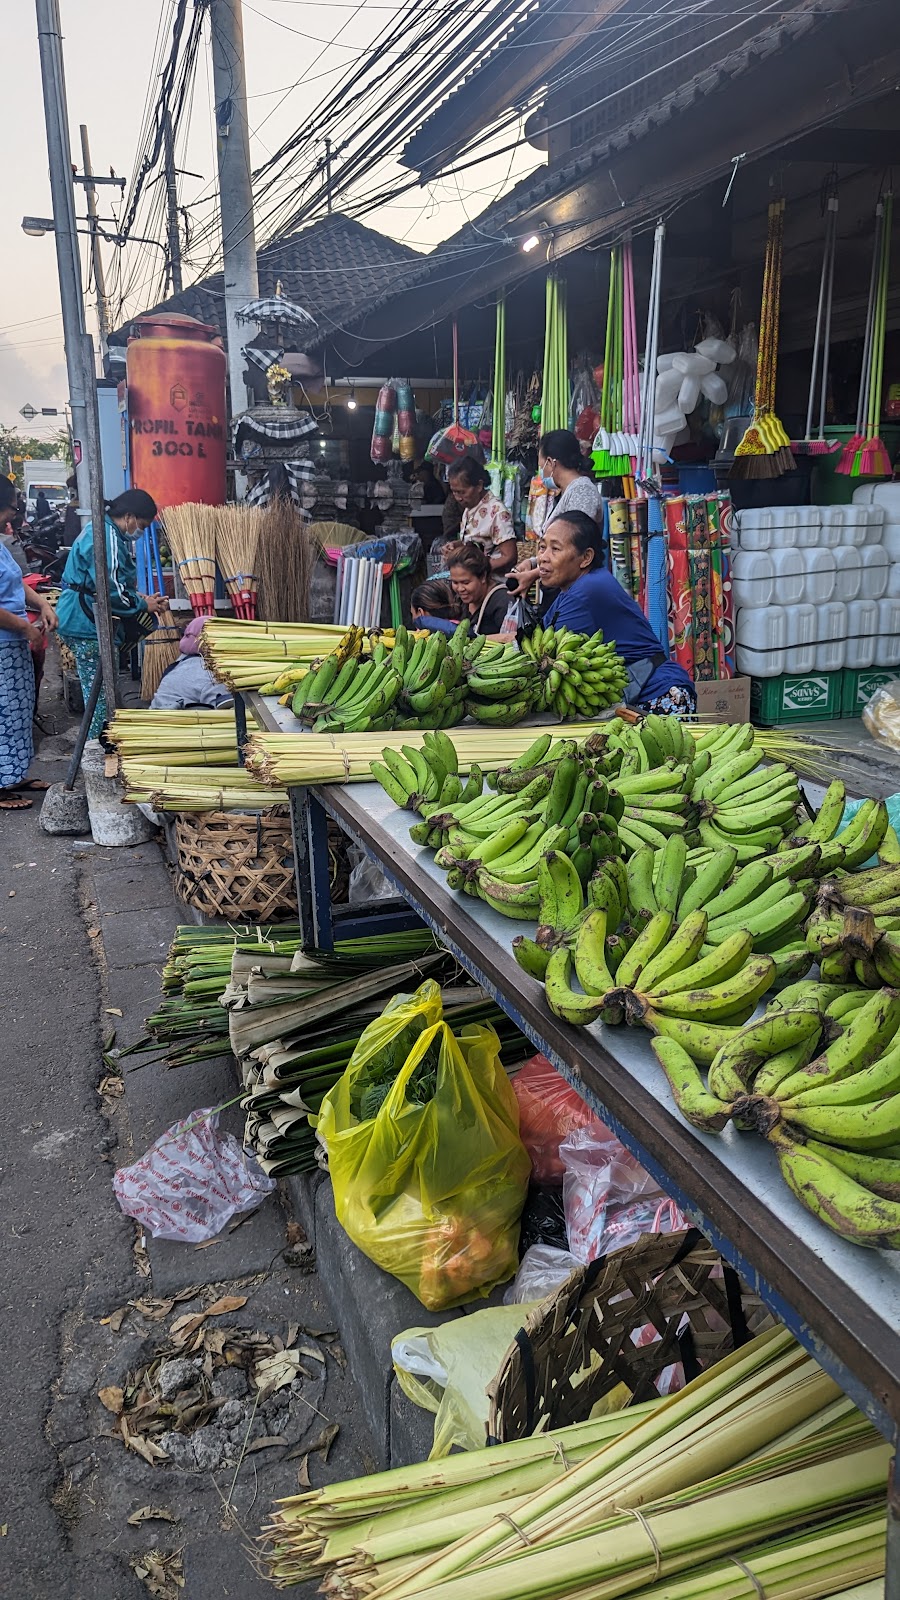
<point x="283" y="39"/>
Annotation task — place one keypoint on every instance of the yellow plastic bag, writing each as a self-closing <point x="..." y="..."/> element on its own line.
<point x="431" y="1192"/>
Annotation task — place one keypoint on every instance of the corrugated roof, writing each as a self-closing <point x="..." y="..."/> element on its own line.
<point x="335" y="268"/>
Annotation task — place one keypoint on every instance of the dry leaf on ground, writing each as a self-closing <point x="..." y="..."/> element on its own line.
<point x="161" y="1573"/>
<point x="151" y="1514"/>
<point x="113" y="1398"/>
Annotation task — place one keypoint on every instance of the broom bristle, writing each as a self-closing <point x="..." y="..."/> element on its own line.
<point x="848" y="455"/>
<point x="191" y="537"/>
<point x="285" y="559"/>
<point x="160" y="652"/>
<point x="238" y="529"/>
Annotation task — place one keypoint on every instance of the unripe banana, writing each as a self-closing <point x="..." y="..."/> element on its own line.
<point x="646" y="946"/>
<point x="748" y="882"/>
<point x="875" y="1082"/>
<point x="881" y="1174"/>
<point x="692" y="1098"/>
<point x="720" y="1000"/>
<point x="532" y="957"/>
<point x="639" y="874"/>
<point x="709" y="880"/>
<point x="856" y="1213"/>
<point x="677" y="955"/>
<point x="701" y="1040"/>
<point x="784" y="1064"/>
<point x="773" y="1034"/>
<point x="564" y="1001"/>
<point x="560" y="894"/>
<point x="590" y="955"/>
<point x="723" y="962"/>
<point x="825" y="824"/>
<point x="868" y="1033"/>
<point x="866" y="1127"/>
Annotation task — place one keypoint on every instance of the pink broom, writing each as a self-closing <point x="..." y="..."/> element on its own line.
<point x="850" y="453"/>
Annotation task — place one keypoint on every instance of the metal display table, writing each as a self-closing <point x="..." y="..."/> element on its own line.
<point x="842" y="1302"/>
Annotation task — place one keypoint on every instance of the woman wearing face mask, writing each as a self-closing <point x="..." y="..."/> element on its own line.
<point x="126" y="518"/>
<point x="561" y="466"/>
<point x="589" y="597"/>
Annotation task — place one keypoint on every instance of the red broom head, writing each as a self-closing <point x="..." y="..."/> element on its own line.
<point x="848" y="455"/>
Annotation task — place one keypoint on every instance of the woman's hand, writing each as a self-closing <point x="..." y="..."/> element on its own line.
<point x="33" y="632"/>
<point x="526" y="573"/>
<point x="157" y="603"/>
<point x="49" y="619"/>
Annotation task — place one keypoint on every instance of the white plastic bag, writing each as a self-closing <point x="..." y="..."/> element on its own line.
<point x="447" y="1370"/>
<point x="367" y="882"/>
<point x="608" y="1198"/>
<point x="191" y="1181"/>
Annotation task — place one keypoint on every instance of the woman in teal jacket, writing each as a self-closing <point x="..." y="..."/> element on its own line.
<point x="126" y="518"/>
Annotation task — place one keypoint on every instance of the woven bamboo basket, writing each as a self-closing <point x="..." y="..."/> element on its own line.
<point x="236" y="864"/>
<point x="240" y="865"/>
<point x="672" y="1292"/>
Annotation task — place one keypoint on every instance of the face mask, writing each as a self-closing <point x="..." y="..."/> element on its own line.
<point x="548" y="479"/>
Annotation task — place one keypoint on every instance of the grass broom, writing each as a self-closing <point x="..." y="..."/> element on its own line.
<point x="160" y="651"/>
<point x="285" y="558"/>
<point x="191" y="537"/>
<point x="238" y="530"/>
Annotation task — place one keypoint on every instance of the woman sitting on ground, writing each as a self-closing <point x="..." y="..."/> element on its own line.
<point x="485" y="599"/>
<point x="434" y="606"/>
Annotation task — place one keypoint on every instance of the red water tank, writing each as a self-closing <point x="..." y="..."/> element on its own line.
<point x="176" y="410"/>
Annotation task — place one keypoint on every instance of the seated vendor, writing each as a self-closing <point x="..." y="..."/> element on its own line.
<point x="485" y="599"/>
<point x="189" y="682"/>
<point x="435" y="607"/>
<point x="485" y="519"/>
<point x="570" y="558"/>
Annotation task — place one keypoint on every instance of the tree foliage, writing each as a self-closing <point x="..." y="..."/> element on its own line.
<point x="15" y="444"/>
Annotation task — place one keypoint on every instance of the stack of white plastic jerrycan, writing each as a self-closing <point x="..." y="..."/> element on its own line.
<point x="815" y="588"/>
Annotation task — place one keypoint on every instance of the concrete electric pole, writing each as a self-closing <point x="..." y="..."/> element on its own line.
<point x="235" y="192"/>
<point x="99" y="276"/>
<point x="172" y="205"/>
<point x="78" y="344"/>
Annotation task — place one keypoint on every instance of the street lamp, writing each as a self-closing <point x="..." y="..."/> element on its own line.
<point x="36" y="227"/>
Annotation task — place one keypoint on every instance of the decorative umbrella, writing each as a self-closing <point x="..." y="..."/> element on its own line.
<point x="278" y="310"/>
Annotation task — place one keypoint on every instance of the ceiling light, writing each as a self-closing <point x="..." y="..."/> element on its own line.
<point x="351" y="403"/>
<point x="531" y="243"/>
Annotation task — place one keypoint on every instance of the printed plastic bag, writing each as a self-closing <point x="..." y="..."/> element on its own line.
<point x="543" y="1270"/>
<point x="549" y="1110"/>
<point x="451" y="444"/>
<point x="429" y="1171"/>
<point x="191" y="1181"/>
<point x="447" y="1370"/>
<point x="608" y="1197"/>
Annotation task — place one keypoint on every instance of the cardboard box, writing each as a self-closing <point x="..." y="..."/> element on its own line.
<point x="723" y="700"/>
<point x="796" y="697"/>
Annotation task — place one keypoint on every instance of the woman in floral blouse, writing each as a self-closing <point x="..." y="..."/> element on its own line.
<point x="485" y="519"/>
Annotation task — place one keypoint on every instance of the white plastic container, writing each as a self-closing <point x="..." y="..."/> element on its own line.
<point x="831" y="634"/>
<point x="890" y="540"/>
<point x="880" y="496"/>
<point x="876" y="570"/>
<point x="752" y="578"/>
<point x="853" y="521"/>
<point x="848" y="561"/>
<point x="820" y="576"/>
<point x="761" y="641"/>
<point x="887" y="642"/>
<point x="862" y="634"/>
<point x="781" y="527"/>
<point x="893" y="588"/>
<point x="790" y="575"/>
<point x="801" y="637"/>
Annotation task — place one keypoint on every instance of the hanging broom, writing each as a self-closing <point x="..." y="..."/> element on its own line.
<point x="765" y="449"/>
<point x="191" y="537"/>
<point x="286" y="557"/>
<point x="601" y="449"/>
<point x="238" y="530"/>
<point x="873" y="459"/>
<point x="819" y="445"/>
<point x="850" y="452"/>
<point x="159" y="652"/>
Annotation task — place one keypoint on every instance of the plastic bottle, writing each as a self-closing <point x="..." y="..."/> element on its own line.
<point x="790" y="575"/>
<point x="801" y="637"/>
<point x="831" y="633"/>
<point x="820" y="576"/>
<point x="849" y="572"/>
<point x="887" y="643"/>
<point x="862" y="631"/>
<point x="752" y="578"/>
<point x="852" y="520"/>
<point x="876" y="570"/>
<point x="761" y="641"/>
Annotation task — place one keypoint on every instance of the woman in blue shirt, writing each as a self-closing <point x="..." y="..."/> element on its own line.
<point x="17" y="633"/>
<point x="126" y="518"/>
<point x="569" y="559"/>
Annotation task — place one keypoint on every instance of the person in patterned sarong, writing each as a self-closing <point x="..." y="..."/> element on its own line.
<point x="19" y="604"/>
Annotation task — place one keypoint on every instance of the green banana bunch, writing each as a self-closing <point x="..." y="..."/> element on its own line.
<point x="576" y="676"/>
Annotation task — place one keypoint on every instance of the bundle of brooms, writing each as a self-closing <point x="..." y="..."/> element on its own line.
<point x="238" y="534"/>
<point x="159" y="652"/>
<point x="759" y="1477"/>
<point x="191" y="536"/>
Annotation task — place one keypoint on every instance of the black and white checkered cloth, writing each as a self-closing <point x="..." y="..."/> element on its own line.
<point x="272" y="483"/>
<point x="271" y="424"/>
<point x="261" y="358"/>
<point x="276" y="309"/>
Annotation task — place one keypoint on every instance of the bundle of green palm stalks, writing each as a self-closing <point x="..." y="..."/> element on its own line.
<point x="757" y="1478"/>
<point x="193" y="738"/>
<point x="196" y="788"/>
<point x="246" y="655"/>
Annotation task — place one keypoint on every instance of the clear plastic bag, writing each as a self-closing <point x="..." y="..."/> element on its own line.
<point x="367" y="882"/>
<point x="609" y="1199"/>
<point x="881" y="716"/>
<point x="430" y="1186"/>
<point x="447" y="1370"/>
<point x="549" y="1110"/>
<point x="542" y="1270"/>
<point x="191" y="1181"/>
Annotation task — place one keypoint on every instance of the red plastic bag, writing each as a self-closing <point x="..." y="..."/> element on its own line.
<point x="549" y="1110"/>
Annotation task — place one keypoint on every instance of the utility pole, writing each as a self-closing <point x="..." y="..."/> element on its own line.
<point x="235" y="192"/>
<point x="172" y="205"/>
<point x="78" y="344"/>
<point x="328" y="175"/>
<point x="99" y="276"/>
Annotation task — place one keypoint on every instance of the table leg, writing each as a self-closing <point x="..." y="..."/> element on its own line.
<point x="240" y="725"/>
<point x="299" y="806"/>
<point x="892" y="1564"/>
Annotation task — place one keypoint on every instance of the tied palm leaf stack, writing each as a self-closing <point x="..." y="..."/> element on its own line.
<point x="251" y="655"/>
<point x="191" y="537"/>
<point x="286" y="556"/>
<point x="765" y="449"/>
<point x="159" y="652"/>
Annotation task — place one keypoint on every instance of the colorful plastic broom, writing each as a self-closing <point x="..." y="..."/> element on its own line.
<point x="765" y="449"/>
<point x="867" y="456"/>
